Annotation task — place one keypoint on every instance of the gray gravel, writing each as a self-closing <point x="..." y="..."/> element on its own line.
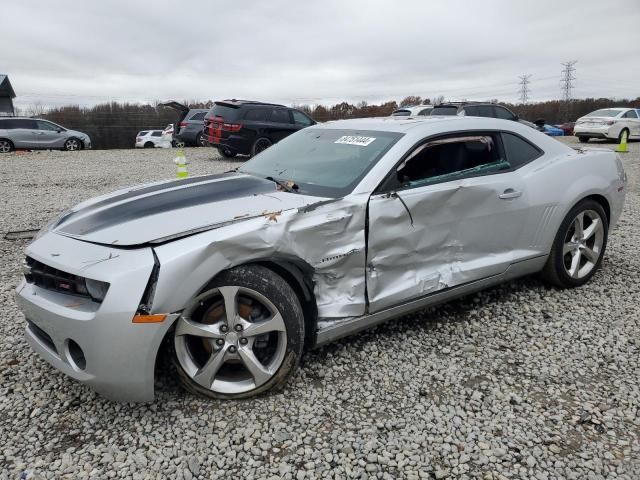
<point x="520" y="381"/>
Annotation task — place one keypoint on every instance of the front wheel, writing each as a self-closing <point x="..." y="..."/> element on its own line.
<point x="578" y="247"/>
<point x="583" y="139"/>
<point x="72" y="145"/>
<point x="200" y="140"/>
<point x="243" y="336"/>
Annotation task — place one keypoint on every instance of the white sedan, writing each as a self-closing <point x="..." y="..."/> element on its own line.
<point x="608" y="123"/>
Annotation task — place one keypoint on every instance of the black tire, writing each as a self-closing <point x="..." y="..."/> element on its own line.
<point x="279" y="292"/>
<point x="259" y="145"/>
<point x="226" y="153"/>
<point x="200" y="140"/>
<point x="621" y="132"/>
<point x="554" y="271"/>
<point x="73" y="144"/>
<point x="149" y="145"/>
<point x="583" y="139"/>
<point x="6" y="145"/>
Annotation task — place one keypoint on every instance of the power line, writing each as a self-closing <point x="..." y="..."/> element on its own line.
<point x="524" y="88"/>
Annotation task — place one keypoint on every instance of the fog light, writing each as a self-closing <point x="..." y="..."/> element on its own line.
<point x="96" y="289"/>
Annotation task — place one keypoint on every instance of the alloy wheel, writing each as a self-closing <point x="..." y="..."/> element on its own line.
<point x="261" y="145"/>
<point x="231" y="340"/>
<point x="583" y="243"/>
<point x="5" y="146"/>
<point x="72" y="145"/>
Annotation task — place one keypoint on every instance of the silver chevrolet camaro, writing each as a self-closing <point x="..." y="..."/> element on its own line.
<point x="334" y="229"/>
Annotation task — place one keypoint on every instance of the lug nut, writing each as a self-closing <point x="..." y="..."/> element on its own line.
<point x="224" y="329"/>
<point x="220" y="342"/>
<point x="238" y="328"/>
<point x="232" y="349"/>
<point x="243" y="341"/>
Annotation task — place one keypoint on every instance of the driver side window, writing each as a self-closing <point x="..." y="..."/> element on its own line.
<point x="42" y="125"/>
<point x="452" y="158"/>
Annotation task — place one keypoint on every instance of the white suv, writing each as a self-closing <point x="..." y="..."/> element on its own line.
<point x="149" y="139"/>
<point x="608" y="123"/>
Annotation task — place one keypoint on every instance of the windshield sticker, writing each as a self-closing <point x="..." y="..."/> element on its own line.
<point x="355" y="140"/>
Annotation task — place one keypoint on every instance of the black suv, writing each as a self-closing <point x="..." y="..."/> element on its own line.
<point x="247" y="127"/>
<point x="478" y="109"/>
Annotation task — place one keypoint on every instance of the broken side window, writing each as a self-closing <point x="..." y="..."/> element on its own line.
<point x="451" y="158"/>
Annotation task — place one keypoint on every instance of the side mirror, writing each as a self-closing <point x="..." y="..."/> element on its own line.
<point x="516" y="118"/>
<point x="59" y="130"/>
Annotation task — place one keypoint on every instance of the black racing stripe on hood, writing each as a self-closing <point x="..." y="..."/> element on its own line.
<point x="164" y="201"/>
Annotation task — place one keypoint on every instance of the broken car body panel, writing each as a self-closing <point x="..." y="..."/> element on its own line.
<point x="370" y="254"/>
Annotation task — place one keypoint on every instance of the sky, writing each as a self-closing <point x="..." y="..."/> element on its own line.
<point x="316" y="51"/>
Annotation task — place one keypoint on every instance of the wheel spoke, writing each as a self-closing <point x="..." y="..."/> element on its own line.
<point x="575" y="264"/>
<point x="258" y="371"/>
<point x="189" y="327"/>
<point x="230" y="295"/>
<point x="578" y="225"/>
<point x="589" y="254"/>
<point x="567" y="248"/>
<point x="274" y="324"/>
<point x="207" y="374"/>
<point x="595" y="226"/>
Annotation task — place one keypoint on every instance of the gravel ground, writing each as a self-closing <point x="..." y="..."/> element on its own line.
<point x="520" y="381"/>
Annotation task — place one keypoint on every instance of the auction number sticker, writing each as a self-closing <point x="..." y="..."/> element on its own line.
<point x="355" y="140"/>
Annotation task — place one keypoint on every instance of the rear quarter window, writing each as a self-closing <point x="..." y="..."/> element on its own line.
<point x="518" y="150"/>
<point x="156" y="134"/>
<point x="197" y="116"/>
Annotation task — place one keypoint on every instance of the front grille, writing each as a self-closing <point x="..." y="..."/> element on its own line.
<point x="53" y="279"/>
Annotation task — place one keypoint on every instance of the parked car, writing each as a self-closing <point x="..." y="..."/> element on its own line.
<point x="189" y="125"/>
<point x="248" y="127"/>
<point x="335" y="229"/>
<point x="478" y="109"/>
<point x="420" y="110"/>
<point x="37" y="134"/>
<point x="547" y="129"/>
<point x="148" y="139"/>
<point x="608" y="123"/>
<point x="566" y="127"/>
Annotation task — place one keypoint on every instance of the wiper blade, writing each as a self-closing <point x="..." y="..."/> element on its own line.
<point x="286" y="186"/>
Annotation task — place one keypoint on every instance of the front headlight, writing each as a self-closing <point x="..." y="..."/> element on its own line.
<point x="96" y="288"/>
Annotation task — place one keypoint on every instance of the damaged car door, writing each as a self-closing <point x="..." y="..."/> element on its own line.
<point x="451" y="212"/>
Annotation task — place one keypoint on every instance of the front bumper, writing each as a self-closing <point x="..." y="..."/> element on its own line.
<point x="118" y="356"/>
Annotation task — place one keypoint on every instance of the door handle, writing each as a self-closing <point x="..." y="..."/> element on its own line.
<point x="510" y="193"/>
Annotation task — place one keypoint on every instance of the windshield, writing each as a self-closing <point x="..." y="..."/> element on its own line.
<point x="322" y="161"/>
<point x="604" y="113"/>
<point x="444" y="111"/>
<point x="401" y="113"/>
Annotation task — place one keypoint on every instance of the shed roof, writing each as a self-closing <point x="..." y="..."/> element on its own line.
<point x="6" y="90"/>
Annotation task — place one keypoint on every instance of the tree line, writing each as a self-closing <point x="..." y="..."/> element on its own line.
<point x="115" y="125"/>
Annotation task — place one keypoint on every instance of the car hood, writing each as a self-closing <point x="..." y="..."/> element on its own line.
<point x="162" y="211"/>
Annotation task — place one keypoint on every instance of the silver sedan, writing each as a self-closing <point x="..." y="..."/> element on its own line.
<point x="334" y="229"/>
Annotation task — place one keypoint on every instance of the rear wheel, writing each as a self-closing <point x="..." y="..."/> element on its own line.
<point x="578" y="247"/>
<point x="260" y="144"/>
<point x="148" y="145"/>
<point x="243" y="336"/>
<point x="622" y="134"/>
<point x="583" y="139"/>
<point x="178" y="144"/>
<point x="72" y="145"/>
<point x="200" y="140"/>
<point x="5" y="145"/>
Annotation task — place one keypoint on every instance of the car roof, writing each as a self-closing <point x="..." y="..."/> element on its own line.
<point x="236" y="102"/>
